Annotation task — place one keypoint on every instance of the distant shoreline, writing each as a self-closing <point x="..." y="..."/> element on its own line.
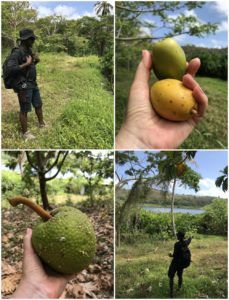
<point x="168" y="206"/>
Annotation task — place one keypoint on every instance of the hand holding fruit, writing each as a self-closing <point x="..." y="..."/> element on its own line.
<point x="143" y="128"/>
<point x="36" y="282"/>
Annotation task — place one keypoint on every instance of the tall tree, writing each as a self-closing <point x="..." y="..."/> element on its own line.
<point x="173" y="169"/>
<point x="43" y="163"/>
<point x="155" y="169"/>
<point x="222" y="181"/>
<point x="16" y="15"/>
<point x="39" y="164"/>
<point x="103" y="8"/>
<point x="95" y="168"/>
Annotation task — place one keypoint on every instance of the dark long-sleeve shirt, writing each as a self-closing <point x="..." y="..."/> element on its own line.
<point x="28" y="74"/>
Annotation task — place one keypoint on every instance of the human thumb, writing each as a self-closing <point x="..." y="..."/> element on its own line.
<point x="142" y="74"/>
<point x="28" y="249"/>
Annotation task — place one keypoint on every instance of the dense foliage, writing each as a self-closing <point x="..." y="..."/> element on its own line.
<point x="213" y="61"/>
<point x="158" y="225"/>
<point x="89" y="174"/>
<point x="79" y="37"/>
<point x="157" y="197"/>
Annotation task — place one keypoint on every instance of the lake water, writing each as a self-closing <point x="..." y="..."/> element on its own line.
<point x="176" y="210"/>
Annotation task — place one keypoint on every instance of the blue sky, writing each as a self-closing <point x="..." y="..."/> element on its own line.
<point x="207" y="163"/>
<point x="212" y="11"/>
<point x="68" y="9"/>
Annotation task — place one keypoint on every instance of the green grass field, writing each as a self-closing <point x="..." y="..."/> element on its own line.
<point x="210" y="133"/>
<point x="141" y="269"/>
<point x="78" y="107"/>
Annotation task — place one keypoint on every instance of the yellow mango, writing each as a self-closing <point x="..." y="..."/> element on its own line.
<point x="172" y="100"/>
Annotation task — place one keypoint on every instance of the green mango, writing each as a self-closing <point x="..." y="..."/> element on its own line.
<point x="169" y="59"/>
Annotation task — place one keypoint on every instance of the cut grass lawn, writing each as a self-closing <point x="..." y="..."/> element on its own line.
<point x="77" y="106"/>
<point x="141" y="269"/>
<point x="210" y="133"/>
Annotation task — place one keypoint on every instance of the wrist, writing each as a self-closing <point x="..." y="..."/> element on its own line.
<point x="28" y="290"/>
<point x="126" y="139"/>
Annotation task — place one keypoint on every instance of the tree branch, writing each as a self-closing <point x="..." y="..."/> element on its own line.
<point x="30" y="161"/>
<point x="131" y="39"/>
<point x="55" y="162"/>
<point x="7" y="36"/>
<point x="60" y="166"/>
<point x="139" y="11"/>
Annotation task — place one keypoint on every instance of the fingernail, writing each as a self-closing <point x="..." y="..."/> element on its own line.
<point x="28" y="231"/>
<point x="143" y="52"/>
<point x="201" y="90"/>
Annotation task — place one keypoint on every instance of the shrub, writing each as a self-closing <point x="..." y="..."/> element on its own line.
<point x="214" y="221"/>
<point x="213" y="61"/>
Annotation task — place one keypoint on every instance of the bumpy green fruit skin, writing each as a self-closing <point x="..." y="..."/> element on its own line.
<point x="66" y="242"/>
<point x="169" y="60"/>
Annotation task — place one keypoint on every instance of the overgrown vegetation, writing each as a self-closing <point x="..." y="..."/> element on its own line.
<point x="75" y="77"/>
<point x="141" y="269"/>
<point x="89" y="176"/>
<point x="158" y="225"/>
<point x="158" y="198"/>
<point x="213" y="61"/>
<point x="78" y="108"/>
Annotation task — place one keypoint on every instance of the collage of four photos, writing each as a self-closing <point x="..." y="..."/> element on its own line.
<point x="114" y="149"/>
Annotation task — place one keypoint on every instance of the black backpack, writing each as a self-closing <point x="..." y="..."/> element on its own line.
<point x="186" y="256"/>
<point x="7" y="77"/>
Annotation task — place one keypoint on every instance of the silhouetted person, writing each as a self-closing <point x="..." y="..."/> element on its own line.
<point x="181" y="260"/>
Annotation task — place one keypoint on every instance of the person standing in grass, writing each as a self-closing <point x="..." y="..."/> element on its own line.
<point x="181" y="260"/>
<point x="21" y="69"/>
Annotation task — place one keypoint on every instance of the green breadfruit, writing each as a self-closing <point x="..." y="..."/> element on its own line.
<point x="65" y="241"/>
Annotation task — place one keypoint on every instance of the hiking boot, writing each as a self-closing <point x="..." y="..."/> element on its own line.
<point x="28" y="136"/>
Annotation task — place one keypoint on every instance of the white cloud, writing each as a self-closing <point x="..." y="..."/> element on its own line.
<point x="66" y="11"/>
<point x="180" y="38"/>
<point x="223" y="26"/>
<point x="208" y="188"/>
<point x="44" y="11"/>
<point x="145" y="31"/>
<point x="189" y="13"/>
<point x="216" y="44"/>
<point x="221" y="6"/>
<point x="173" y="16"/>
<point x="197" y="44"/>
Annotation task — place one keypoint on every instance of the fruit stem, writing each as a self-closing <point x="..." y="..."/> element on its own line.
<point x="194" y="112"/>
<point x="37" y="208"/>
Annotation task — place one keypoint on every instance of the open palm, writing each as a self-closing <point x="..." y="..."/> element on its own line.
<point x="143" y="127"/>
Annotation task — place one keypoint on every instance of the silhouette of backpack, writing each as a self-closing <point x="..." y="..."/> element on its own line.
<point x="186" y="256"/>
<point x="7" y="77"/>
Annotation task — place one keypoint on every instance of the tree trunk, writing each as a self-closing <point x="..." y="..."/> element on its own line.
<point x="42" y="180"/>
<point x="90" y="191"/>
<point x="172" y="208"/>
<point x="118" y="235"/>
<point x="43" y="192"/>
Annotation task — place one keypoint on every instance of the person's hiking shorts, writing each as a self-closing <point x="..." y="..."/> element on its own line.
<point x="29" y="98"/>
<point x="175" y="268"/>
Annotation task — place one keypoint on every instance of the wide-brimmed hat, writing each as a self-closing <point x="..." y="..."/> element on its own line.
<point x="26" y="33"/>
